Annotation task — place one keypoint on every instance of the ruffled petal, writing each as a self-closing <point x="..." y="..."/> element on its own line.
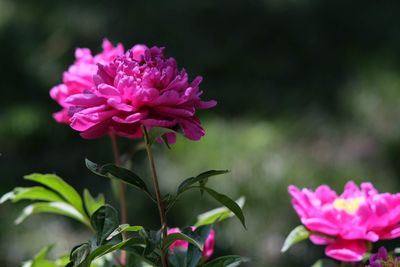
<point x="347" y="250"/>
<point x="321" y="225"/>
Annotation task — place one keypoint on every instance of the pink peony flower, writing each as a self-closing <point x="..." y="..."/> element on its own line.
<point x="208" y="249"/>
<point x="79" y="77"/>
<point x="350" y="220"/>
<point x="141" y="87"/>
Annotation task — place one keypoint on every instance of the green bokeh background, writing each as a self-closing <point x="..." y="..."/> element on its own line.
<point x="308" y="93"/>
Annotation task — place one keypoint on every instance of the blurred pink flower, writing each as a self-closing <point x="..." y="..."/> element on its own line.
<point x="79" y="76"/>
<point x="350" y="220"/>
<point x="208" y="249"/>
<point x="141" y="87"/>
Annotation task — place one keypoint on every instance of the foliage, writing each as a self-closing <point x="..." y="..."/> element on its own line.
<point x="144" y="247"/>
<point x="56" y="197"/>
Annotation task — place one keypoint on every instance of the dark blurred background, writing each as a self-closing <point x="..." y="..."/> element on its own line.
<point x="308" y="92"/>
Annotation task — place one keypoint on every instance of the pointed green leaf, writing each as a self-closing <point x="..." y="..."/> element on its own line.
<point x="35" y="193"/>
<point x="7" y="196"/>
<point x="124" y="228"/>
<point x="43" y="253"/>
<point x="218" y="214"/>
<point x="104" y="221"/>
<point x="80" y="254"/>
<point x="226" y="261"/>
<point x="60" y="186"/>
<point x="200" y="234"/>
<point x="227" y="202"/>
<point x="198" y="179"/>
<point x="180" y="236"/>
<point x="39" y="259"/>
<point x="92" y="204"/>
<point x="61" y="208"/>
<point x="108" y="248"/>
<point x="114" y="172"/>
<point x="297" y="235"/>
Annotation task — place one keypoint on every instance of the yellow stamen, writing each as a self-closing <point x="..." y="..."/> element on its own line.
<point x="349" y="205"/>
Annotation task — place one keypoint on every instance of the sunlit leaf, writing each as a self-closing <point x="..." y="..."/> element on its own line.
<point x="61" y="208"/>
<point x="7" y="196"/>
<point x="35" y="193"/>
<point x="62" y="260"/>
<point x="92" y="204"/>
<point x="43" y="253"/>
<point x="297" y="235"/>
<point x="218" y="214"/>
<point x="124" y="228"/>
<point x="40" y="260"/>
<point x="60" y="186"/>
<point x="227" y="202"/>
<point x="108" y="248"/>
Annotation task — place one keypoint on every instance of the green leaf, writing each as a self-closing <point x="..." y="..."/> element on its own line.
<point x="177" y="258"/>
<point x="153" y="240"/>
<point x="108" y="248"/>
<point x="104" y="221"/>
<point x="62" y="260"/>
<point x="39" y="259"/>
<point x="80" y="254"/>
<point x="61" y="208"/>
<point x="198" y="179"/>
<point x="227" y="202"/>
<point x="136" y="260"/>
<point x="60" y="186"/>
<point x="180" y="236"/>
<point x="44" y="263"/>
<point x="297" y="235"/>
<point x="218" y="214"/>
<point x="43" y="253"/>
<point x="200" y="234"/>
<point x="7" y="196"/>
<point x="226" y="261"/>
<point x="124" y="228"/>
<point x="114" y="172"/>
<point x="158" y="132"/>
<point x="35" y="193"/>
<point x="92" y="204"/>
<point x="325" y="263"/>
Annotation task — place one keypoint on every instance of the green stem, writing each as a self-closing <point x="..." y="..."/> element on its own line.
<point x="160" y="205"/>
<point x="122" y="195"/>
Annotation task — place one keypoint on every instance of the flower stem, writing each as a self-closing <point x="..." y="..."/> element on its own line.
<point x="161" y="209"/>
<point x="122" y="194"/>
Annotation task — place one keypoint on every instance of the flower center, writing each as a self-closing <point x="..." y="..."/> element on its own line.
<point x="349" y="205"/>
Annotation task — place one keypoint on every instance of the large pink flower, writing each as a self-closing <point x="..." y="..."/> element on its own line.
<point x="208" y="249"/>
<point x="141" y="87"/>
<point x="349" y="221"/>
<point x="79" y="76"/>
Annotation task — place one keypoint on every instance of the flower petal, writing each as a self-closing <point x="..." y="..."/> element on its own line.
<point x="347" y="250"/>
